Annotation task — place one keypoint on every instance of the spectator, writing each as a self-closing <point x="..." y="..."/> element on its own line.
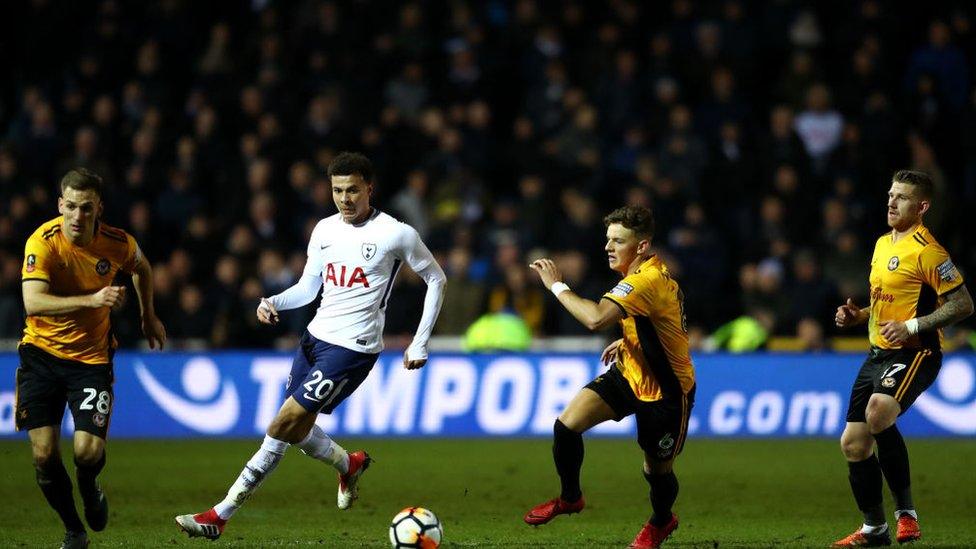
<point x="819" y="127"/>
<point x="463" y="296"/>
<point x="217" y="132"/>
<point x="515" y="294"/>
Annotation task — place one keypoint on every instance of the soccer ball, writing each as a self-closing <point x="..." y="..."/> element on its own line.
<point x="416" y="528"/>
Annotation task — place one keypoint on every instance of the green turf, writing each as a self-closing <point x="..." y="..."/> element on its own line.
<point x="734" y="493"/>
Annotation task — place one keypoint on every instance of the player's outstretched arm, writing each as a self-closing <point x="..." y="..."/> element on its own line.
<point x="593" y="315"/>
<point x="152" y="327"/>
<point x="300" y="294"/>
<point x="433" y="275"/>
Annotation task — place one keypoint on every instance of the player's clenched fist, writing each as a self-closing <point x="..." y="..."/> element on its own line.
<point x="266" y="312"/>
<point x="847" y="314"/>
<point x="108" y="296"/>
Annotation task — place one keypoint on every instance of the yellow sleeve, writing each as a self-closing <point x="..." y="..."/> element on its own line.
<point x="938" y="270"/>
<point x="634" y="294"/>
<point x="38" y="257"/>
<point x="133" y="255"/>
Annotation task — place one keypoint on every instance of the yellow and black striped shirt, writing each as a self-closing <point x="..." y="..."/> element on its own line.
<point x="654" y="356"/>
<point x="83" y="335"/>
<point x="909" y="279"/>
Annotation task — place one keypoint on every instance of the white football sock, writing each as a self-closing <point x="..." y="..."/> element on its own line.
<point x="901" y="512"/>
<point x="865" y="529"/>
<point x="318" y="445"/>
<point x="257" y="469"/>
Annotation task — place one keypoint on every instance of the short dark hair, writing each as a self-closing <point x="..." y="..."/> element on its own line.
<point x="636" y="218"/>
<point x="82" y="179"/>
<point x="920" y="180"/>
<point x="352" y="163"/>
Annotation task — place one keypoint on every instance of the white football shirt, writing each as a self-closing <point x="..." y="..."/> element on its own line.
<point x="357" y="265"/>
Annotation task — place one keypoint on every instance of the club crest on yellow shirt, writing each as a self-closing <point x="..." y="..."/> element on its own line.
<point x="102" y="266"/>
<point x="893" y="263"/>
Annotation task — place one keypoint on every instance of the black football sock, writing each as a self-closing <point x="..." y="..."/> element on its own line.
<point x="56" y="486"/>
<point x="865" y="478"/>
<point x="664" y="491"/>
<point x="86" y="475"/>
<point x="567" y="452"/>
<point x="893" y="456"/>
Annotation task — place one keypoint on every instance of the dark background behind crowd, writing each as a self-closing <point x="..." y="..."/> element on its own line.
<point x="762" y="134"/>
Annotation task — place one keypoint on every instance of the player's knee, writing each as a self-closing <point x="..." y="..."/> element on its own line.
<point x="567" y="422"/>
<point x="879" y="416"/>
<point x="45" y="461"/>
<point x="281" y="429"/>
<point x="656" y="467"/>
<point x="88" y="450"/>
<point x="44" y="457"/>
<point x="88" y="455"/>
<point x="855" y="448"/>
<point x="289" y="429"/>
<point x="879" y="422"/>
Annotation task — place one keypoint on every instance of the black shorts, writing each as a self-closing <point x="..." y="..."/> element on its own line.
<point x="901" y="373"/>
<point x="662" y="425"/>
<point x="45" y="383"/>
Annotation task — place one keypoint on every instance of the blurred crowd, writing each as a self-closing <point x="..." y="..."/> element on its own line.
<point x="762" y="134"/>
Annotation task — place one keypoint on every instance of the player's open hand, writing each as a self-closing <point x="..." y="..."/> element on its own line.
<point x="847" y="314"/>
<point x="109" y="296"/>
<point x="610" y="353"/>
<point x="266" y="312"/>
<point x="154" y="331"/>
<point x="547" y="270"/>
<point x="894" y="332"/>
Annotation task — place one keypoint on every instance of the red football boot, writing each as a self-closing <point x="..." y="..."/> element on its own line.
<point x="206" y="525"/>
<point x="860" y="539"/>
<point x="651" y="537"/>
<point x="908" y="529"/>
<point x="348" y="492"/>
<point x="544" y="512"/>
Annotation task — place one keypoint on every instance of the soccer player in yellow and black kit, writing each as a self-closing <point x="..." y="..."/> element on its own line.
<point x="66" y="352"/>
<point x="915" y="292"/>
<point x="650" y="375"/>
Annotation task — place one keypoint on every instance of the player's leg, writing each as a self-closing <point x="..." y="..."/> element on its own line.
<point x="40" y="408"/>
<point x="662" y="428"/>
<point x="604" y="398"/>
<point x="864" y="475"/>
<point x="89" y="462"/>
<point x="336" y="374"/>
<point x="291" y="423"/>
<point x="585" y="411"/>
<point x="864" y="471"/>
<point x="52" y="477"/>
<point x="291" y="419"/>
<point x="90" y="399"/>
<point x="897" y="391"/>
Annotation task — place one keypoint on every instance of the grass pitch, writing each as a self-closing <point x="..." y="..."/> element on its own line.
<point x="734" y="493"/>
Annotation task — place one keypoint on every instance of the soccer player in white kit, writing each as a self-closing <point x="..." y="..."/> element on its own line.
<point x="353" y="256"/>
